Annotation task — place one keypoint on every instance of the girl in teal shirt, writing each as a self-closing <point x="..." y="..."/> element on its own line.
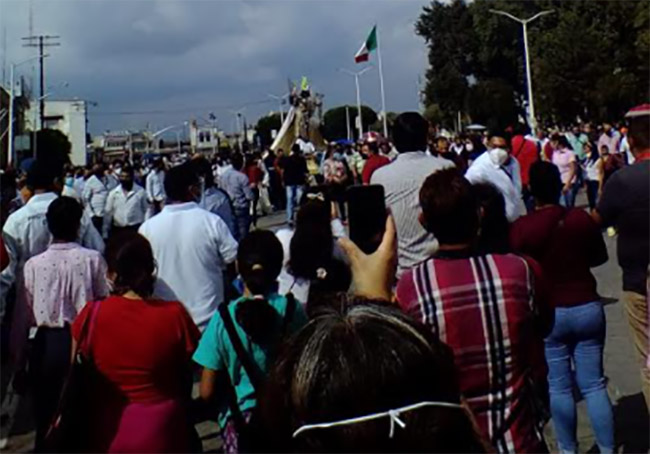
<point x="261" y="319"/>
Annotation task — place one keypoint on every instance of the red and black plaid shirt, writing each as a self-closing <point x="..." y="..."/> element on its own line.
<point x="483" y="308"/>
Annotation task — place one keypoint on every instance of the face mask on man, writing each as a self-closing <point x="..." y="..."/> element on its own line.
<point x="338" y="156"/>
<point x="498" y="156"/>
<point x="69" y="181"/>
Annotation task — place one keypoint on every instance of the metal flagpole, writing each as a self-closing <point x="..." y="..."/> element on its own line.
<point x="381" y="84"/>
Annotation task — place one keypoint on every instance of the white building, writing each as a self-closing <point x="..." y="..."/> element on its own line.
<point x="67" y="116"/>
<point x="204" y="139"/>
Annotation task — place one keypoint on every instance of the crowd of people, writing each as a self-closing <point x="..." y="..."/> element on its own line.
<point x="465" y="331"/>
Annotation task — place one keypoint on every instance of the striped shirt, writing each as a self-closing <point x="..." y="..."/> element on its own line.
<point x="482" y="307"/>
<point x="402" y="180"/>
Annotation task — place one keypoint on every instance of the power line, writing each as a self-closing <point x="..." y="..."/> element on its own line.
<point x="179" y="110"/>
<point x="41" y="41"/>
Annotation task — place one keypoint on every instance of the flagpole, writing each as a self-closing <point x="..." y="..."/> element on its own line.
<point x="381" y="84"/>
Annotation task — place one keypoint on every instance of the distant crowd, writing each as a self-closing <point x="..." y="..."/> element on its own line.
<point x="466" y="330"/>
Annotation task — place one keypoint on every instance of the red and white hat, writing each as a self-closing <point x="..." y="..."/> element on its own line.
<point x="638" y="111"/>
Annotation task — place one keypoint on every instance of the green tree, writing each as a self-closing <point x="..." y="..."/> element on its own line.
<point x="334" y="126"/>
<point x="267" y="124"/>
<point x="448" y="30"/>
<point x="492" y="103"/>
<point x="589" y="59"/>
<point x="378" y="126"/>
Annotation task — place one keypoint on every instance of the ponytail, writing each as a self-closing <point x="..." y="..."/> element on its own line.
<point x="259" y="260"/>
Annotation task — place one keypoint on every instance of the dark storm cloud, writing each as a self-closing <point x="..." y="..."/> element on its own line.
<point x="201" y="56"/>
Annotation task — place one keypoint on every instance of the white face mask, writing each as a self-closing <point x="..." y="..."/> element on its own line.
<point x="498" y="156"/>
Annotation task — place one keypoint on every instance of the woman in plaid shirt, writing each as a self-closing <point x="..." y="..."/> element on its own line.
<point x="484" y="307"/>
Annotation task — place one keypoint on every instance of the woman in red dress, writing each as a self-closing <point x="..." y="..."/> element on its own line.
<point x="141" y="348"/>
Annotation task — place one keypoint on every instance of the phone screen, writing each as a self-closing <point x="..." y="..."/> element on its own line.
<point x="367" y="216"/>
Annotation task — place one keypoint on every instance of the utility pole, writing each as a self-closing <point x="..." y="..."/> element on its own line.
<point x="41" y="41"/>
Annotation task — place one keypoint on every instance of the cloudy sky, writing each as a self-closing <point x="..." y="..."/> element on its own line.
<point x="165" y="61"/>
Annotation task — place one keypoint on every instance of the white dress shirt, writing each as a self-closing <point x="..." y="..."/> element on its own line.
<point x="155" y="184"/>
<point x="26" y="234"/>
<point x="124" y="208"/>
<point x="506" y="179"/>
<point x="192" y="248"/>
<point x="95" y="195"/>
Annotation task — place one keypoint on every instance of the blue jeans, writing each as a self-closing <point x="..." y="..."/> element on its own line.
<point x="568" y="199"/>
<point x="574" y="351"/>
<point x="243" y="221"/>
<point x="294" y="194"/>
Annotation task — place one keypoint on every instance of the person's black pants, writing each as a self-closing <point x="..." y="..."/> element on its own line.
<point x="592" y="193"/>
<point x="50" y="361"/>
<point x="337" y="194"/>
<point x="116" y="231"/>
<point x="256" y="200"/>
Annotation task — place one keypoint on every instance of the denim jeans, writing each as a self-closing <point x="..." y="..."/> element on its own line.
<point x="243" y="221"/>
<point x="568" y="199"/>
<point x="294" y="194"/>
<point x="574" y="352"/>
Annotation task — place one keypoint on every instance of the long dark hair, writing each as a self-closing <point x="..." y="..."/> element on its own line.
<point x="130" y="258"/>
<point x="312" y="243"/>
<point x="356" y="358"/>
<point x="259" y="261"/>
<point x="593" y="154"/>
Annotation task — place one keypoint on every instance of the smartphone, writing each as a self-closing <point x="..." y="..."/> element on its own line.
<point x="367" y="216"/>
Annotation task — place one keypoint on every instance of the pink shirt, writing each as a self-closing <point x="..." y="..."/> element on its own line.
<point x="61" y="280"/>
<point x="563" y="159"/>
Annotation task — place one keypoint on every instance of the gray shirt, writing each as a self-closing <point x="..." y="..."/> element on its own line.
<point x="238" y="187"/>
<point x="402" y="180"/>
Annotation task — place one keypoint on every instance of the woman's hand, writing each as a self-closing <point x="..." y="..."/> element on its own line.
<point x="373" y="275"/>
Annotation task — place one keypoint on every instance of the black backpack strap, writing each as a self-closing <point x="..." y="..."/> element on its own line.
<point x="244" y="358"/>
<point x="288" y="314"/>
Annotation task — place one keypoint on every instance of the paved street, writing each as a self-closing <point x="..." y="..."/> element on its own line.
<point x="620" y="366"/>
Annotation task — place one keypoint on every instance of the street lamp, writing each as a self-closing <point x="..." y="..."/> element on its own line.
<point x="356" y="76"/>
<point x="238" y="114"/>
<point x="280" y="100"/>
<point x="524" y="23"/>
<point x="12" y="70"/>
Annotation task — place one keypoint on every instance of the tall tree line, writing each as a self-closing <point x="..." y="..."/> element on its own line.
<point x="589" y="60"/>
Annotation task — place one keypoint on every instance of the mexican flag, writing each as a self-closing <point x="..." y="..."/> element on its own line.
<point x="368" y="46"/>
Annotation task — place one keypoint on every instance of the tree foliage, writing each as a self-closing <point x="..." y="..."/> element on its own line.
<point x="589" y="59"/>
<point x="334" y="120"/>
<point x="53" y="147"/>
<point x="267" y="124"/>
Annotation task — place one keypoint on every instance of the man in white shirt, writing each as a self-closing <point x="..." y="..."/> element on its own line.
<point x="402" y="180"/>
<point x="95" y="194"/>
<point x="155" y="185"/>
<point x="126" y="206"/>
<point x="497" y="167"/>
<point x="193" y="248"/>
<point x="26" y="234"/>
